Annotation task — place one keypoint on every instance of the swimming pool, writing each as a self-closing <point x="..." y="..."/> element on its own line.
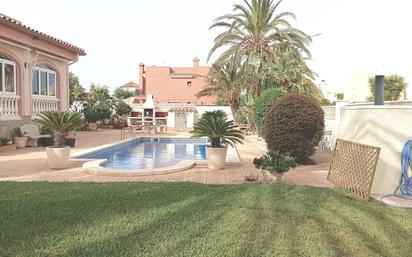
<point x="148" y="156"/>
<point x="149" y="153"/>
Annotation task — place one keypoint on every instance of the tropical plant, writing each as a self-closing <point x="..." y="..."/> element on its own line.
<point x="394" y="86"/>
<point x="325" y="102"/>
<point x="291" y="73"/>
<point x="98" y="93"/>
<point x="224" y="82"/>
<point x="123" y="108"/>
<point x="256" y="34"/>
<point x="97" y="111"/>
<point x="17" y="133"/>
<point x="294" y="126"/>
<point x="218" y="129"/>
<point x="274" y="162"/>
<point x="77" y="91"/>
<point x="121" y="93"/>
<point x="60" y="123"/>
<point x="4" y="141"/>
<point x="262" y="105"/>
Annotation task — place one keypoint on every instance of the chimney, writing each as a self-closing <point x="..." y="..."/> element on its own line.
<point x="196" y="62"/>
<point x="142" y="80"/>
<point x="379" y="89"/>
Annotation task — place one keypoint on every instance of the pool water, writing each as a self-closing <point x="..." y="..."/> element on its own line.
<point x="150" y="153"/>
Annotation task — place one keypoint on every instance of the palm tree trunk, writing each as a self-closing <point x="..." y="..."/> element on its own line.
<point x="58" y="139"/>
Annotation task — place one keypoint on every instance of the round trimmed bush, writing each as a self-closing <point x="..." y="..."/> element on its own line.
<point x="262" y="104"/>
<point x="294" y="126"/>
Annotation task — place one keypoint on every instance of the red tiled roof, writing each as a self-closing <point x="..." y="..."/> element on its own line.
<point x="130" y="84"/>
<point x="7" y="19"/>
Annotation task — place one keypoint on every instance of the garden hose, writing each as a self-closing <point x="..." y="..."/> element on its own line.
<point x="404" y="189"/>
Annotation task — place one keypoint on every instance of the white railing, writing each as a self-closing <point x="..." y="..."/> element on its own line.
<point x="163" y="105"/>
<point x="9" y="107"/>
<point x="41" y="104"/>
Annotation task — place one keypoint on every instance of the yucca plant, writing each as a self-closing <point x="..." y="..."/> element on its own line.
<point x="60" y="123"/>
<point x="218" y="129"/>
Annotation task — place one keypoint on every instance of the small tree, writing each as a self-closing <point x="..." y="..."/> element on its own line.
<point x="262" y="104"/>
<point x="294" y="126"/>
<point x="123" y="108"/>
<point x="121" y="93"/>
<point x="77" y="91"/>
<point x="394" y="86"/>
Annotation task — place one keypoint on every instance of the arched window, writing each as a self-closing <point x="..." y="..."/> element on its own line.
<point x="7" y="75"/>
<point x="44" y="81"/>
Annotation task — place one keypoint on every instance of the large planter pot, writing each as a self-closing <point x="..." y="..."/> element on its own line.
<point x="93" y="126"/>
<point x="20" y="142"/>
<point x="216" y="157"/>
<point x="274" y="177"/>
<point x="58" y="157"/>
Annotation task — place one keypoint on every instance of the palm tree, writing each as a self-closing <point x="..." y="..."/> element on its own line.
<point x="255" y="32"/>
<point x="218" y="129"/>
<point x="291" y="73"/>
<point x="60" y="123"/>
<point x="225" y="83"/>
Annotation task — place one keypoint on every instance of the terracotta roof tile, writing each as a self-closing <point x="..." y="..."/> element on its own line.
<point x="15" y="22"/>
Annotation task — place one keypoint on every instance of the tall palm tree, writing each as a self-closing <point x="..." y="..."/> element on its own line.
<point x="225" y="83"/>
<point x="254" y="32"/>
<point x="292" y="73"/>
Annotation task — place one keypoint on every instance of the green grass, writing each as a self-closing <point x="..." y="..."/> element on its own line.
<point x="184" y="219"/>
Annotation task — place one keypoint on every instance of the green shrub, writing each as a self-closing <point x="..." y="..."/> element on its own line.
<point x="17" y="133"/>
<point x="262" y="105"/>
<point x="123" y="108"/>
<point x="393" y="88"/>
<point x="97" y="111"/>
<point x="274" y="162"/>
<point x="4" y="141"/>
<point x="294" y="126"/>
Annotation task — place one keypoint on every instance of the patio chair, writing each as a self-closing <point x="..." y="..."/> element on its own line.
<point x="325" y="142"/>
<point x="33" y="133"/>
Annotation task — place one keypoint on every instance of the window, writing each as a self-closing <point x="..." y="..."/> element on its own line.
<point x="44" y="81"/>
<point x="189" y="83"/>
<point x="7" y="76"/>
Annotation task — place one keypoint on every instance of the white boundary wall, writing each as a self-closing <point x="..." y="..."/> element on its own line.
<point x="387" y="127"/>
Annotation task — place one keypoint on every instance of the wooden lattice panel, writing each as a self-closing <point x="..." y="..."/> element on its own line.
<point x="353" y="167"/>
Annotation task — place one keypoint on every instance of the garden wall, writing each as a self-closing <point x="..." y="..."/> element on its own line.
<point x="387" y="127"/>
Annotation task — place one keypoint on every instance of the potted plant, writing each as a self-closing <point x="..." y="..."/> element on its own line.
<point x="18" y="138"/>
<point x="60" y="123"/>
<point x="91" y="116"/>
<point x="220" y="132"/>
<point x="273" y="165"/>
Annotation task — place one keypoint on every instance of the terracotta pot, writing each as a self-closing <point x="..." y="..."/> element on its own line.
<point x="93" y="126"/>
<point x="216" y="157"/>
<point x="20" y="142"/>
<point x="58" y="157"/>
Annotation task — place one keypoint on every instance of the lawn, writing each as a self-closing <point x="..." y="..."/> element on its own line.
<point x="184" y="219"/>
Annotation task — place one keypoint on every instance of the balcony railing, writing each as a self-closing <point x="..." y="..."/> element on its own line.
<point x="9" y="107"/>
<point x="41" y="104"/>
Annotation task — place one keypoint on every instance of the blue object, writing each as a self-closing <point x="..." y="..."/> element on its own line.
<point x="404" y="189"/>
<point x="405" y="183"/>
<point x="148" y="153"/>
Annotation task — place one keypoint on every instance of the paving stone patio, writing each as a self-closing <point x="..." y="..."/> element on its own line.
<point x="30" y="165"/>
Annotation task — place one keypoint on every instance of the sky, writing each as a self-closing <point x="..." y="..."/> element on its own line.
<point x="372" y="36"/>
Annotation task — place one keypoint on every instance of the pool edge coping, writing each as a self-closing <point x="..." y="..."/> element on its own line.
<point x="92" y="166"/>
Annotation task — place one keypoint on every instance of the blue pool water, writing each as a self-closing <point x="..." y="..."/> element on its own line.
<point x="149" y="153"/>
